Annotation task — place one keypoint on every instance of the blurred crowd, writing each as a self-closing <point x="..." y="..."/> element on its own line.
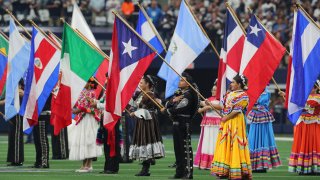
<point x="276" y="15"/>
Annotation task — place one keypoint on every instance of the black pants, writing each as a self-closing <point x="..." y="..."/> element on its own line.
<point x="183" y="150"/>
<point x="59" y="143"/>
<point x="41" y="143"/>
<point x="15" y="139"/>
<point x="112" y="163"/>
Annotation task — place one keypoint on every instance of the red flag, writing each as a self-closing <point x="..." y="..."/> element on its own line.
<point x="130" y="58"/>
<point x="230" y="54"/>
<point x="261" y="56"/>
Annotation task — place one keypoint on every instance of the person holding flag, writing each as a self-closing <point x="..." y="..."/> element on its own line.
<point x="232" y="157"/>
<point x="304" y="158"/>
<point x="263" y="149"/>
<point x="147" y="141"/>
<point x="82" y="137"/>
<point x="182" y="108"/>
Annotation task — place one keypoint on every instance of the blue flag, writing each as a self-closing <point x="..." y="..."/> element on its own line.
<point x="147" y="32"/>
<point x="187" y="43"/>
<point x="305" y="69"/>
<point x="18" y="61"/>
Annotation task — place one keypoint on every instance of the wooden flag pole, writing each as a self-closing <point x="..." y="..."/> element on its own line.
<point x="15" y="19"/>
<point x="4" y="35"/>
<point x="154" y="101"/>
<point x="204" y="32"/>
<point x="305" y="12"/>
<point x="152" y="26"/>
<point x="55" y="36"/>
<point x="43" y="33"/>
<point x="191" y="86"/>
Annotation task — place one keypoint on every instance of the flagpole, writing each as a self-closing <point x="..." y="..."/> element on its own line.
<point x="204" y="32"/>
<point x="43" y="33"/>
<point x="154" y="101"/>
<point x="152" y="27"/>
<point x="15" y="19"/>
<point x="300" y="7"/>
<point x="147" y="43"/>
<point x="4" y="35"/>
<point x="236" y="17"/>
<point x="55" y="36"/>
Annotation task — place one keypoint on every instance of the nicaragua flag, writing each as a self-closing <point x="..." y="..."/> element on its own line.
<point x="305" y="67"/>
<point x="129" y="59"/>
<point x="261" y="56"/>
<point x="187" y="43"/>
<point x="147" y="32"/>
<point x="42" y="76"/>
<point x="18" y="61"/>
<point x="230" y="55"/>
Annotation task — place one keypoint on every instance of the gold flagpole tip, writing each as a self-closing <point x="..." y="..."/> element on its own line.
<point x="62" y="19"/>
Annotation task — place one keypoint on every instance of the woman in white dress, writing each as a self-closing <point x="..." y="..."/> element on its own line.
<point x="82" y="134"/>
<point x="209" y="132"/>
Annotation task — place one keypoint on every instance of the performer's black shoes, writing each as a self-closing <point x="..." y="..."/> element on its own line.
<point x="143" y="174"/>
<point x="108" y="172"/>
<point x="15" y="164"/>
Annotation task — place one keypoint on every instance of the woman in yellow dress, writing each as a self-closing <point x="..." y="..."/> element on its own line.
<point x="232" y="155"/>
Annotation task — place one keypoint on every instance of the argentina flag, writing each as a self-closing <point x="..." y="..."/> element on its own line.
<point x="187" y="43"/>
<point x="305" y="69"/>
<point x="18" y="61"/>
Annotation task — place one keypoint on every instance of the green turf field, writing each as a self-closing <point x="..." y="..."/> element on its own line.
<point x="64" y="169"/>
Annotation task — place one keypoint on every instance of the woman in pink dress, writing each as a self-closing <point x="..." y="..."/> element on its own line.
<point x="209" y="133"/>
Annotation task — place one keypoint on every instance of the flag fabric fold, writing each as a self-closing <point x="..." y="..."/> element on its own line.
<point x="78" y="63"/>
<point x="78" y="22"/>
<point x="187" y="43"/>
<point x="304" y="69"/>
<point x="18" y="61"/>
<point x="129" y="59"/>
<point x="261" y="56"/>
<point x="230" y="55"/>
<point x="42" y="75"/>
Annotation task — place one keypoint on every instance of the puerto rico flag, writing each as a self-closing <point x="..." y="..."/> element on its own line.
<point x="230" y="54"/>
<point x="261" y="56"/>
<point x="42" y="76"/>
<point x="129" y="59"/>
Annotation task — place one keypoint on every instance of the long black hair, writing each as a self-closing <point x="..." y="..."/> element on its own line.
<point x="242" y="80"/>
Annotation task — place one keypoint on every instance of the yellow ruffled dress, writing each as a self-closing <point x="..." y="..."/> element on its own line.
<point x="232" y="155"/>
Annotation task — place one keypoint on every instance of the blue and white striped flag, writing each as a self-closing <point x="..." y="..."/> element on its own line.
<point x="18" y="61"/>
<point x="147" y="32"/>
<point x="187" y="43"/>
<point x="305" y="69"/>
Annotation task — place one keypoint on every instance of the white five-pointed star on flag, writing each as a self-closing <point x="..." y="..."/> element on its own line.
<point x="255" y="30"/>
<point x="128" y="48"/>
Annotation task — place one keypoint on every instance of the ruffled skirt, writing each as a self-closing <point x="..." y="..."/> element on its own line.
<point x="305" y="153"/>
<point x="82" y="139"/>
<point x="206" y="147"/>
<point x="232" y="156"/>
<point x="263" y="150"/>
<point x="147" y="141"/>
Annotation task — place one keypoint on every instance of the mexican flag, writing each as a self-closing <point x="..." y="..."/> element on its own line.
<point x="78" y="63"/>
<point x="4" y="47"/>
